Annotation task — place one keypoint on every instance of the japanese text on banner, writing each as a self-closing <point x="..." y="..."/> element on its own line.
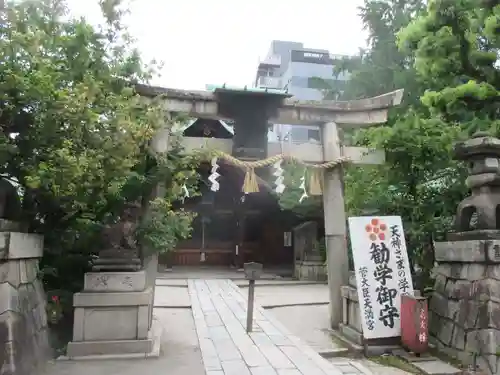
<point x="382" y="272"/>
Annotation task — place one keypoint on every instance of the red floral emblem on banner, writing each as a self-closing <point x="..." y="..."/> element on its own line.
<point x="376" y="230"/>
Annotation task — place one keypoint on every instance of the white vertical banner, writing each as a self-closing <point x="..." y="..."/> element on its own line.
<point x="382" y="272"/>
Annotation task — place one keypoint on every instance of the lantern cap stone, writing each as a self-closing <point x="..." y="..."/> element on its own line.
<point x="480" y="144"/>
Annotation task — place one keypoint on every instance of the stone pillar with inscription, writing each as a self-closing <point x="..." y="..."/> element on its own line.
<point x="465" y="306"/>
<point x="113" y="312"/>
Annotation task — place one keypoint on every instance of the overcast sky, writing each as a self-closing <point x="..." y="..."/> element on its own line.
<point x="221" y="41"/>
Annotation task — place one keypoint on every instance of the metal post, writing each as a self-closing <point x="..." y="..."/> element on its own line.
<point x="251" y="295"/>
<point x="253" y="271"/>
<point x="202" y="252"/>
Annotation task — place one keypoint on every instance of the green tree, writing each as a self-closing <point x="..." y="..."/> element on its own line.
<point x="382" y="67"/>
<point x="450" y="53"/>
<point x="310" y="208"/>
<point x="76" y="135"/>
<point x="456" y="48"/>
<point x="418" y="181"/>
<point x="377" y="70"/>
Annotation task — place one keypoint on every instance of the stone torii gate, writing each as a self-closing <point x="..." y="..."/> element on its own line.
<point x="286" y="110"/>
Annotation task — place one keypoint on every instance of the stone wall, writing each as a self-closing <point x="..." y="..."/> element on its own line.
<point x="465" y="307"/>
<point x="24" y="344"/>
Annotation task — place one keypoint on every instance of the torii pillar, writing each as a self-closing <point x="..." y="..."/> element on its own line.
<point x="350" y="114"/>
<point x="335" y="223"/>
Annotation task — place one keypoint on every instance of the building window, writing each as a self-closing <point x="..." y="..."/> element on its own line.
<point x="313" y="135"/>
<point x="305" y="134"/>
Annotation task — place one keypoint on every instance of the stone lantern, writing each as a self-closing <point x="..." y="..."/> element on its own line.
<point x="482" y="152"/>
<point x="465" y="306"/>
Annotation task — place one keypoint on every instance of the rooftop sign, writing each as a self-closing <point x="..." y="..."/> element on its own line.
<point x="311" y="57"/>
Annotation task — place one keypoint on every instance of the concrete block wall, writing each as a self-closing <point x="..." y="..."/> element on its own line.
<point x="24" y="342"/>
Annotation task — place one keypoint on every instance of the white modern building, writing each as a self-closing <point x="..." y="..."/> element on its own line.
<point x="304" y="73"/>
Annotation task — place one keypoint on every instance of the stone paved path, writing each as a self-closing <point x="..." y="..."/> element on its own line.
<point x="219" y="311"/>
<point x="180" y="354"/>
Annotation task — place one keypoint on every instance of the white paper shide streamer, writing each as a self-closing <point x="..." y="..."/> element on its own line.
<point x="278" y="173"/>
<point x="185" y="192"/>
<point x="214" y="176"/>
<point x="303" y="187"/>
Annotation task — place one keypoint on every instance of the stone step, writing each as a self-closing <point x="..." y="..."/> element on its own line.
<point x="428" y="364"/>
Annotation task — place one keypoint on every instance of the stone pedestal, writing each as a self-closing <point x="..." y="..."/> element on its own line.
<point x="24" y="343"/>
<point x="151" y="269"/>
<point x="113" y="315"/>
<point x="465" y="307"/>
<point x="350" y="326"/>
